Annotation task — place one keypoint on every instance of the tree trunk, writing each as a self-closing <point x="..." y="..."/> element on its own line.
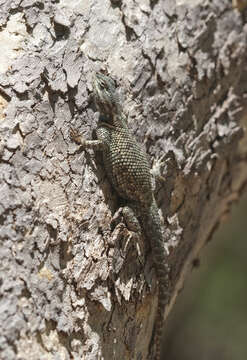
<point x="75" y="285"/>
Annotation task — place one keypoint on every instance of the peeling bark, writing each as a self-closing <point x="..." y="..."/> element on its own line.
<point x="72" y="284"/>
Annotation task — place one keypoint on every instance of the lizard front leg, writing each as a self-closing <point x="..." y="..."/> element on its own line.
<point x="86" y="144"/>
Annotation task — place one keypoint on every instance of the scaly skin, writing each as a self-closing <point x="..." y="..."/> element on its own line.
<point x="129" y="172"/>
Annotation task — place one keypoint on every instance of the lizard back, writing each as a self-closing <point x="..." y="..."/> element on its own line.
<point x="126" y="165"/>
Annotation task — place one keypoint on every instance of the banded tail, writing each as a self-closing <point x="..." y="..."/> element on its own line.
<point x="154" y="234"/>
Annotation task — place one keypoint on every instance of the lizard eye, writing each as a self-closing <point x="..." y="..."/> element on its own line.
<point x="102" y="85"/>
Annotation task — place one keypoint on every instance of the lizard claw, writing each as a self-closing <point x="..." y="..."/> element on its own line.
<point x="76" y="137"/>
<point x="157" y="167"/>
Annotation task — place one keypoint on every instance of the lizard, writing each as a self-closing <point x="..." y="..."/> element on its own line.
<point x="128" y="170"/>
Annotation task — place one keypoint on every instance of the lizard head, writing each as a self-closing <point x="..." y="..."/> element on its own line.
<point x="105" y="95"/>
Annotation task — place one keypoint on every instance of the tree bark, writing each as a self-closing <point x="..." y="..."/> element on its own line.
<point x="75" y="285"/>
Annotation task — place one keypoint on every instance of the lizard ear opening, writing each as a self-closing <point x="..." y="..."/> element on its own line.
<point x="113" y="82"/>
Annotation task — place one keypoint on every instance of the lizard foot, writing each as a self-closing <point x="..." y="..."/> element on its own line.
<point x="127" y="215"/>
<point x="157" y="170"/>
<point x="76" y="137"/>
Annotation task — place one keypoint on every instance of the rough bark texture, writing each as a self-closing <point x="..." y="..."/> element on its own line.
<point x="73" y="286"/>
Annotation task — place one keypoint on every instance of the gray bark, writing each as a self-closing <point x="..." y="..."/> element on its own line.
<point x="73" y="286"/>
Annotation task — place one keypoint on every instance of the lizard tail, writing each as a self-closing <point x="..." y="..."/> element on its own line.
<point x="154" y="233"/>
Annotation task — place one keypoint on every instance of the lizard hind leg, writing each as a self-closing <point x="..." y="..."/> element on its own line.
<point x="131" y="219"/>
<point x="127" y="215"/>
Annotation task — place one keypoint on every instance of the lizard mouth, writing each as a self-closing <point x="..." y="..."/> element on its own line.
<point x="95" y="82"/>
<point x="97" y="91"/>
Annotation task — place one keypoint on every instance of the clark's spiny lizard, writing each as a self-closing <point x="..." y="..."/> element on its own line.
<point x="129" y="172"/>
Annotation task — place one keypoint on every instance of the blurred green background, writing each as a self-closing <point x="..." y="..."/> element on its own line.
<point x="209" y="319"/>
